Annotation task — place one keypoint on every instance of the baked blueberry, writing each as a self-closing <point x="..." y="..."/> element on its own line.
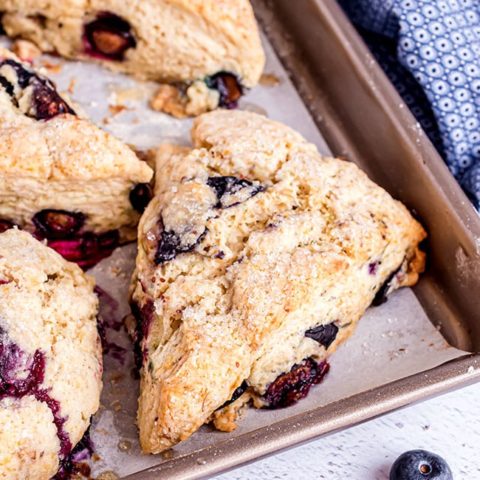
<point x="45" y="102"/>
<point x="228" y="86"/>
<point x="420" y="465"/>
<point x="288" y="388"/>
<point x="5" y="225"/>
<point x="140" y="196"/>
<point x="55" y="224"/>
<point x="108" y="36"/>
<point x="323" y="334"/>
<point x="231" y="191"/>
<point x="237" y="393"/>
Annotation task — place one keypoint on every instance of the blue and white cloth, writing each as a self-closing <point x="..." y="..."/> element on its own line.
<point x="430" y="49"/>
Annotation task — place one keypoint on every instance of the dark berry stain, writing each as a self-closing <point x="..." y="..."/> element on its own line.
<point x="56" y="224"/>
<point x="232" y="186"/>
<point x="373" y="268"/>
<point x="108" y="37"/>
<point x="381" y="295"/>
<point x="144" y="318"/>
<point x="323" y="334"/>
<point x="140" y="196"/>
<point x="73" y="464"/>
<point x="170" y="245"/>
<point x="5" y="225"/>
<point x="289" y="388"/>
<point x="228" y="86"/>
<point x="237" y="393"/>
<point x="46" y="103"/>
<point x="86" y="249"/>
<point x="14" y="362"/>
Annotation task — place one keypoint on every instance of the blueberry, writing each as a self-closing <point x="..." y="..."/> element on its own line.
<point x="232" y="191"/>
<point x="5" y="225"/>
<point x="55" y="224"/>
<point x="140" y="196"/>
<point x="288" y="388"/>
<point x="228" y="86"/>
<point x="108" y="36"/>
<point x="46" y="103"/>
<point x="237" y="393"/>
<point x="323" y="334"/>
<point x="420" y="465"/>
<point x="170" y="244"/>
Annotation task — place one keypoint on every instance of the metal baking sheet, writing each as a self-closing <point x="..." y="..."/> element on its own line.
<point x="331" y="90"/>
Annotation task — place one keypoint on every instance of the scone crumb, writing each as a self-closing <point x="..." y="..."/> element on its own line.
<point x="52" y="67"/>
<point x="108" y="475"/>
<point x="196" y="99"/>
<point x="169" y="99"/>
<point x="225" y="418"/>
<point x="269" y="80"/>
<point x="25" y="50"/>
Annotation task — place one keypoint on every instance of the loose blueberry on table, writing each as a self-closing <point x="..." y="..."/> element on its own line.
<point x="420" y="465"/>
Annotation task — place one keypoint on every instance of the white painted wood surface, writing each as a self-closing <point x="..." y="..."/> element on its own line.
<point x="448" y="425"/>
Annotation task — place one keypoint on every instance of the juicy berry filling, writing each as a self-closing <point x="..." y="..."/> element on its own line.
<point x="323" y="334"/>
<point x="237" y="393"/>
<point x="288" y="388"/>
<point x="382" y="293"/>
<point x="22" y="375"/>
<point x="55" y="224"/>
<point x="231" y="191"/>
<point x="228" y="86"/>
<point x="144" y="318"/>
<point x="140" y="196"/>
<point x="73" y="463"/>
<point x="5" y="225"/>
<point x="86" y="249"/>
<point x="45" y="102"/>
<point x="108" y="37"/>
<point x="170" y="245"/>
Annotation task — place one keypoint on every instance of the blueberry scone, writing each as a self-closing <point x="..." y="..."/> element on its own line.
<point x="210" y="49"/>
<point x="61" y="177"/>
<point x="256" y="258"/>
<point x="50" y="357"/>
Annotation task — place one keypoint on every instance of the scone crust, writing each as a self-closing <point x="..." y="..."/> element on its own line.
<point x="308" y="241"/>
<point x="177" y="40"/>
<point x="65" y="163"/>
<point x="48" y="310"/>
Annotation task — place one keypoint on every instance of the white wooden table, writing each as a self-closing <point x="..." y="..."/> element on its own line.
<point x="448" y="425"/>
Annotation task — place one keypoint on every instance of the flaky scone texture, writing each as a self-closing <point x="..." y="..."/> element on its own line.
<point x="50" y="357"/>
<point x="169" y="40"/>
<point x="254" y="247"/>
<point x="63" y="162"/>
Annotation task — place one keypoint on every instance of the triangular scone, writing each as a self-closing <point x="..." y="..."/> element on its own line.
<point x="212" y="46"/>
<point x="257" y="256"/>
<point x="61" y="177"/>
<point x="50" y="358"/>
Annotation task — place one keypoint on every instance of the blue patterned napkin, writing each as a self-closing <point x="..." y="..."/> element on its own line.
<point x="430" y="49"/>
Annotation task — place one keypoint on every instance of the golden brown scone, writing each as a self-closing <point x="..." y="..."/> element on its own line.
<point x="50" y="357"/>
<point x="212" y="46"/>
<point x="257" y="257"/>
<point x="61" y="177"/>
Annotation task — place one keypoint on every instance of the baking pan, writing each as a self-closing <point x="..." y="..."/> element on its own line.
<point x="342" y="102"/>
<point x="363" y="119"/>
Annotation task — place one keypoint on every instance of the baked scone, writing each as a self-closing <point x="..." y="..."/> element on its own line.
<point x="50" y="357"/>
<point x="256" y="258"/>
<point x="61" y="177"/>
<point x="211" y="46"/>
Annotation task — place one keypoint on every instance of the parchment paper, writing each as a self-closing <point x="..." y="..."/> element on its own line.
<point x="391" y="342"/>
